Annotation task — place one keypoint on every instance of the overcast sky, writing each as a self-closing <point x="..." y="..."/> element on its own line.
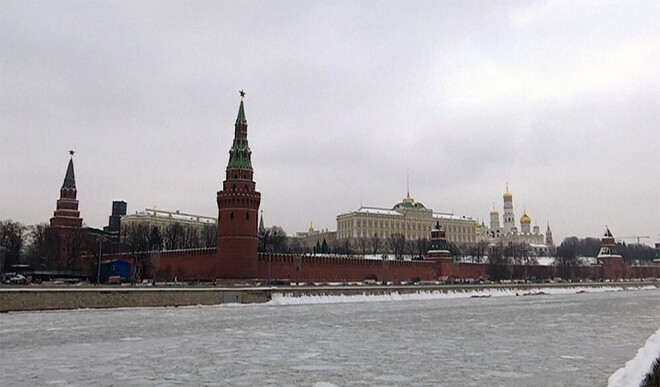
<point x="344" y="100"/>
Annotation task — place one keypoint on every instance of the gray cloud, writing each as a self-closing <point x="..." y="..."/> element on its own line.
<point x="344" y="100"/>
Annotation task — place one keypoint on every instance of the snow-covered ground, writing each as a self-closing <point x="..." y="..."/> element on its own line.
<point x="635" y="371"/>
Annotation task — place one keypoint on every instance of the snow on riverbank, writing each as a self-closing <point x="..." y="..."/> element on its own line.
<point x="291" y="299"/>
<point x="635" y="371"/>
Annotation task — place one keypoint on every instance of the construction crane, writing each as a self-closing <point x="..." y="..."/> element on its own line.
<point x="638" y="237"/>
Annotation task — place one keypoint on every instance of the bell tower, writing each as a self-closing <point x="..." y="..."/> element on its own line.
<point x="238" y="206"/>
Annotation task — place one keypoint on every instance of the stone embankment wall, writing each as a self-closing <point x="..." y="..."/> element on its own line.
<point x="31" y="298"/>
<point x="28" y="299"/>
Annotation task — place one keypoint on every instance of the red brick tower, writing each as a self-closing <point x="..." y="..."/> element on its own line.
<point x="64" y="237"/>
<point x="238" y="206"/>
<point x="608" y="257"/>
<point x="66" y="213"/>
<point x="439" y="252"/>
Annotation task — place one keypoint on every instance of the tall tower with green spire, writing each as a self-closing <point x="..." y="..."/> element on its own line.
<point x="238" y="206"/>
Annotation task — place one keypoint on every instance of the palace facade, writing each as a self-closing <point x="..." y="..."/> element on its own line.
<point x="408" y="218"/>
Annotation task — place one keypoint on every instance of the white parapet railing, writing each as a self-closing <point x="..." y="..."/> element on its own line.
<point x="636" y="370"/>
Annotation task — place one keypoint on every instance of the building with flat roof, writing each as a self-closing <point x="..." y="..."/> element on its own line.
<point x="408" y="218"/>
<point x="163" y="218"/>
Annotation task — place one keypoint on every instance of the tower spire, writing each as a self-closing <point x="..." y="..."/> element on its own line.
<point x="241" y="111"/>
<point x="240" y="154"/>
<point x="69" y="177"/>
<point x="408" y="186"/>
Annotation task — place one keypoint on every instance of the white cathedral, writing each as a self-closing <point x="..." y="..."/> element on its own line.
<point x="508" y="233"/>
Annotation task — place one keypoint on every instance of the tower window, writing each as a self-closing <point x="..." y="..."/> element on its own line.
<point x="247" y="216"/>
<point x="231" y="215"/>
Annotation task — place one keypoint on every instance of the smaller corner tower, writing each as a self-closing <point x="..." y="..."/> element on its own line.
<point x="238" y="206"/>
<point x="439" y="252"/>
<point x="609" y="259"/>
<point x="66" y="213"/>
<point x="64" y="236"/>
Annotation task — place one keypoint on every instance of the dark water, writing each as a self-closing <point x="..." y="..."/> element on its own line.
<point x="572" y="340"/>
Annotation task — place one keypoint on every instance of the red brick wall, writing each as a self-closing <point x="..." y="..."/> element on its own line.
<point x="201" y="264"/>
<point x="341" y="269"/>
<point x="471" y="270"/>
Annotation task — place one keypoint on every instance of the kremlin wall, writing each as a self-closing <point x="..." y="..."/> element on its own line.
<point x="236" y="258"/>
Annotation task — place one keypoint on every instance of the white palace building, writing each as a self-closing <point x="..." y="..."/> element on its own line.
<point x="409" y="218"/>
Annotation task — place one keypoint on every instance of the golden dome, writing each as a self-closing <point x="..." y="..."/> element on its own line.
<point x="507" y="194"/>
<point x="525" y="218"/>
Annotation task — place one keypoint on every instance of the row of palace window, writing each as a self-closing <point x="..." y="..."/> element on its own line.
<point x="398" y="226"/>
<point x="413" y="235"/>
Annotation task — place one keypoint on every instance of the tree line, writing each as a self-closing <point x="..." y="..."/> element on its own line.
<point x="30" y="244"/>
<point x="24" y="244"/>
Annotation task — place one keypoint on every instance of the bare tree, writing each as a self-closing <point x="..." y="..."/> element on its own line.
<point x="397" y="245"/>
<point x="421" y="247"/>
<point x="363" y="243"/>
<point x="498" y="265"/>
<point x="375" y="244"/>
<point x="174" y="236"/>
<point x="278" y="239"/>
<point x="210" y="235"/>
<point x="75" y="239"/>
<point x="155" y="239"/>
<point x="566" y="256"/>
<point x="12" y="237"/>
<point x="274" y="239"/>
<point x="36" y="250"/>
<point x="136" y="237"/>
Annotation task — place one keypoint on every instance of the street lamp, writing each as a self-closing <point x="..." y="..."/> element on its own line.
<point x="98" y="269"/>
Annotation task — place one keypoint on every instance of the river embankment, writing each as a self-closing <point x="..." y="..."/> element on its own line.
<point x="30" y="298"/>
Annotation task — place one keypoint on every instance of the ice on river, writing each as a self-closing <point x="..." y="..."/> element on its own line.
<point x="554" y="339"/>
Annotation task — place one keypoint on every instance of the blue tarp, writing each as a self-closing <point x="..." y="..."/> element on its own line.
<point x="114" y="268"/>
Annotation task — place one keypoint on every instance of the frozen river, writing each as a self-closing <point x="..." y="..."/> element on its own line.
<point x="572" y="339"/>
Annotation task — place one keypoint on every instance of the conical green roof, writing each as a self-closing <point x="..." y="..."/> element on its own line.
<point x="241" y="115"/>
<point x="69" y="178"/>
<point x="240" y="155"/>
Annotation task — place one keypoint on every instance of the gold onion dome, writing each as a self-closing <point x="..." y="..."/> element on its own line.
<point x="508" y="195"/>
<point x="525" y="218"/>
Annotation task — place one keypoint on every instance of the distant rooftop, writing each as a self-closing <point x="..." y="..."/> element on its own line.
<point x="173" y="215"/>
